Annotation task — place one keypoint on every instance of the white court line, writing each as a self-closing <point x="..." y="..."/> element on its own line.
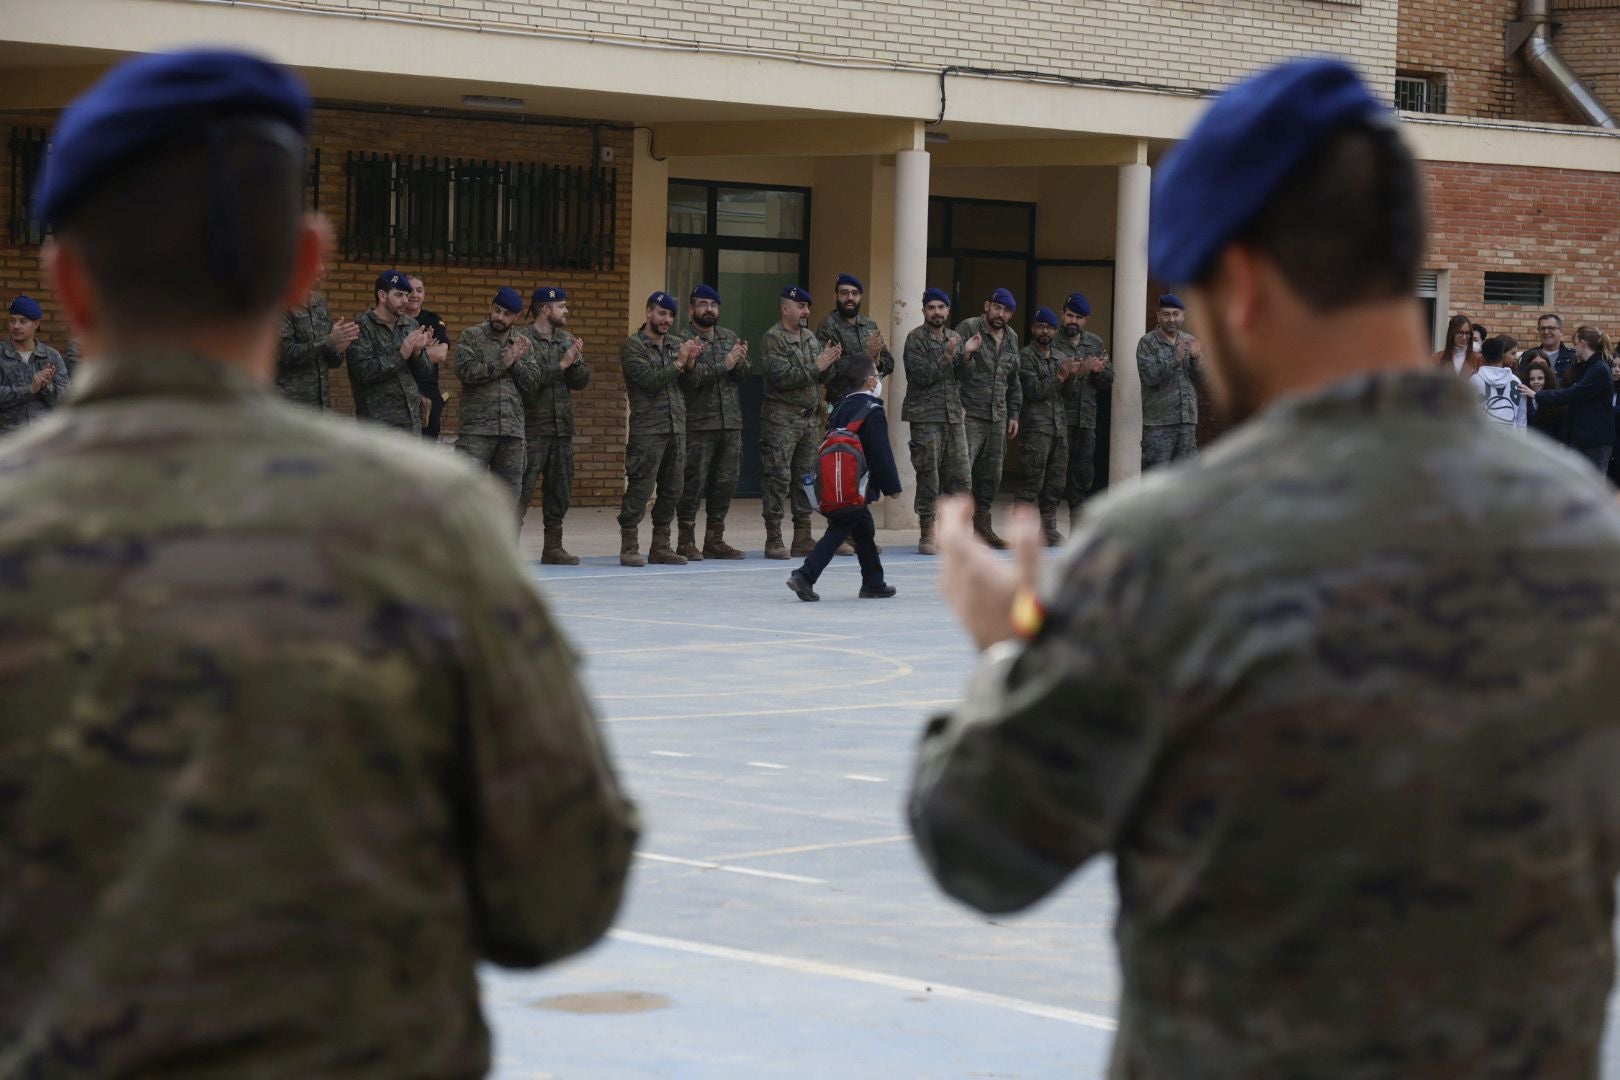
<point x="930" y="704"/>
<point x="746" y="871"/>
<point x="667" y="753"/>
<point x="873" y="978"/>
<point x="622" y="575"/>
<point x="766" y="765"/>
<point x="866" y="779"/>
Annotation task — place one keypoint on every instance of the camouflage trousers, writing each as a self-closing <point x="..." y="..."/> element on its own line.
<point x="652" y="461"/>
<point x="551" y="460"/>
<point x="987" y="451"/>
<point x="1082" y="465"/>
<point x="1043" y="467"/>
<point x="502" y="455"/>
<point x="713" y="462"/>
<point x="939" y="454"/>
<point x="1169" y="442"/>
<point x="787" y="449"/>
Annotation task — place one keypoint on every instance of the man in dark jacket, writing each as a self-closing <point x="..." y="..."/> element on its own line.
<point x="864" y="405"/>
<point x="1589" y="394"/>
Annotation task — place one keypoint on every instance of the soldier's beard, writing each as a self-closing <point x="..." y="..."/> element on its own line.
<point x="849" y="308"/>
<point x="1071" y="331"/>
<point x="936" y="321"/>
<point x="705" y="320"/>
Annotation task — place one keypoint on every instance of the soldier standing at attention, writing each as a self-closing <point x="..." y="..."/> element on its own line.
<point x="1171" y="363"/>
<point x="311" y="343"/>
<point x="33" y="376"/>
<point x="296" y="744"/>
<point x="1093" y="380"/>
<point x="382" y="357"/>
<point x="425" y="367"/>
<point x="992" y="399"/>
<point x="1284" y="685"/>
<point x="854" y="333"/>
<point x="1043" y="428"/>
<point x="713" y="428"/>
<point x="653" y="361"/>
<point x="936" y="360"/>
<point x="789" y="428"/>
<point x="487" y="356"/>
<point x="548" y="375"/>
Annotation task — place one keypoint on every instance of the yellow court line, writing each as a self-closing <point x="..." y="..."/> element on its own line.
<point x="786" y="712"/>
<point x="802" y="848"/>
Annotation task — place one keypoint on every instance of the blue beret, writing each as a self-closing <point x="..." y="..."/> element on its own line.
<point x="389" y="280"/>
<point x="546" y="294"/>
<point x="663" y="300"/>
<point x="509" y="298"/>
<point x="849" y="279"/>
<point x="1213" y="186"/>
<point x="796" y="294"/>
<point x="27" y="307"/>
<point x="155" y="99"/>
<point x="706" y="292"/>
<point x="1005" y="298"/>
<point x="1172" y="300"/>
<point x="1046" y="315"/>
<point x="1078" y="304"/>
<point x="932" y="294"/>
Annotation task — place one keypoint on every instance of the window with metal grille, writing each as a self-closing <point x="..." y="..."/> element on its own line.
<point x="480" y="213"/>
<point x="27" y="155"/>
<point x="1524" y="289"/>
<point x="1420" y="93"/>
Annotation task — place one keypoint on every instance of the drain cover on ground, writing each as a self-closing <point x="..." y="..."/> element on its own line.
<point x="611" y="1001"/>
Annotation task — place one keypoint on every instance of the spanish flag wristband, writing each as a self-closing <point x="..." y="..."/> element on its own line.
<point x="1028" y="613"/>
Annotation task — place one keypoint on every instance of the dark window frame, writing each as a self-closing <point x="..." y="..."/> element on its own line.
<point x="1511" y="288"/>
<point x="945" y="250"/>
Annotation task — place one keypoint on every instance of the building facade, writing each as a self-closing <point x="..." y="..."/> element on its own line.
<point x="617" y="148"/>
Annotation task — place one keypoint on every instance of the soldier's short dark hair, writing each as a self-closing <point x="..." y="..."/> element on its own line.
<point x="208" y="231"/>
<point x="1348" y="227"/>
<point x="859" y="369"/>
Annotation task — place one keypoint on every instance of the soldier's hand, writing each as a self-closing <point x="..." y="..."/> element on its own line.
<point x="576" y="349"/>
<point x="516" y="350"/>
<point x="951" y="345"/>
<point x="972" y="345"/>
<point x="734" y="357"/>
<point x="980" y="587"/>
<point x="1012" y="429"/>
<point x="829" y="356"/>
<point x="42" y="378"/>
<point x="1196" y="349"/>
<point x="343" y="334"/>
<point x="874" y="344"/>
<point x="1099" y="362"/>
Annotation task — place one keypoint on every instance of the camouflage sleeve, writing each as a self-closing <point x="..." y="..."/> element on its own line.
<point x="71" y="354"/>
<point x="827" y="332"/>
<point x="478" y="360"/>
<point x="783" y="367"/>
<point x="373" y="358"/>
<point x="551" y="831"/>
<point x="1104" y="379"/>
<point x="577" y="377"/>
<point x="885" y="363"/>
<point x="1015" y="388"/>
<point x="535" y="371"/>
<point x="1036" y="771"/>
<point x="1155" y="368"/>
<point x="295" y="355"/>
<point x="922" y="369"/>
<point x="709" y="367"/>
<point x="641" y="370"/>
<point x="1036" y="386"/>
<point x="1195" y="364"/>
<point x="57" y="391"/>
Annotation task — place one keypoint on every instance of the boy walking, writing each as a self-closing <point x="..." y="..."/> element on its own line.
<point x="861" y="411"/>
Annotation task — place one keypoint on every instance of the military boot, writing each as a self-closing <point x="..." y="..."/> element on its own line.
<point x="714" y="543"/>
<point x="552" y="553"/>
<point x="1049" y="528"/>
<point x="630" y="548"/>
<point x="925" y="540"/>
<point x="774" y="548"/>
<point x="687" y="547"/>
<point x="661" y="552"/>
<point x="981" y="525"/>
<point x="803" y="542"/>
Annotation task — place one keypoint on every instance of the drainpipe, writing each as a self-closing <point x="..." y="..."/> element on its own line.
<point x="1531" y="35"/>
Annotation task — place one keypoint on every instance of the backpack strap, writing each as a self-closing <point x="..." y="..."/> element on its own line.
<point x="860" y="417"/>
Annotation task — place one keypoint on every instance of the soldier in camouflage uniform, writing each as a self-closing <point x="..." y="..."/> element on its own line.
<point x="33" y="376"/>
<point x="992" y="399"/>
<point x="1356" y="833"/>
<point x="936" y="360"/>
<point x="654" y="361"/>
<point x="1043" y="426"/>
<point x="383" y="358"/>
<point x="713" y="428"/>
<point x="789" y="427"/>
<point x="311" y="343"/>
<point x="1171" y="362"/>
<point x="295" y="744"/>
<point x="548" y="375"/>
<point x="1092" y="381"/>
<point x="852" y="332"/>
<point x="487" y="358"/>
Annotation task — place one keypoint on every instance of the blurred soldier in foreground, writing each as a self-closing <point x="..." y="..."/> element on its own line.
<point x="33" y="376"/>
<point x="487" y="356"/>
<point x="294" y="742"/>
<point x="1355" y="832"/>
<point x="311" y="344"/>
<point x="548" y="375"/>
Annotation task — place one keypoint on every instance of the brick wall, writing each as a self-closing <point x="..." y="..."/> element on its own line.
<point x="598" y="301"/>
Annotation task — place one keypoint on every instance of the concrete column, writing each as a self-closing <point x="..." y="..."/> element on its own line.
<point x="1130" y="318"/>
<point x="910" y="279"/>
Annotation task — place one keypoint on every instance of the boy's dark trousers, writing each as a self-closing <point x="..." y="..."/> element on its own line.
<point x="856" y="526"/>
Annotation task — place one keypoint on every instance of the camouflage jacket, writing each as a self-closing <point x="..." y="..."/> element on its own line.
<point x="491" y="403"/>
<point x="990" y="387"/>
<point x="1169" y="379"/>
<point x="1285" y="686"/>
<point x="19" y="404"/>
<point x="295" y="746"/>
<point x="657" y="403"/>
<point x="71" y="355"/>
<point x="385" y="388"/>
<point x="1042" y="408"/>
<point x="933" y="383"/>
<point x="304" y="356"/>
<point x="548" y="399"/>
<point x="712" y="399"/>
<point x="791" y="380"/>
<point x="1081" y="392"/>
<point x="853" y="336"/>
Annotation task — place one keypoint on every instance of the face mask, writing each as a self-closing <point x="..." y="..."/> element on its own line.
<point x="878" y="389"/>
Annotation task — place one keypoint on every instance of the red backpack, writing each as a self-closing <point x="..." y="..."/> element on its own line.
<point x="840" y="476"/>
